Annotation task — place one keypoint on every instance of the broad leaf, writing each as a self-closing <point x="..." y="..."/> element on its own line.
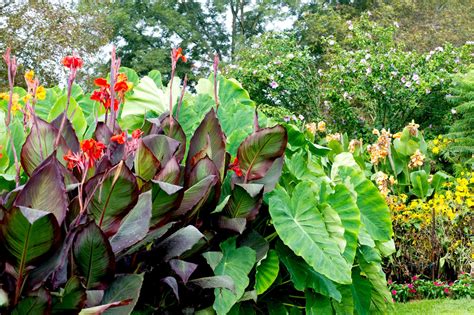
<point x="361" y="292"/>
<point x="46" y="190"/>
<point x="179" y="242"/>
<point x="196" y="194"/>
<point x="93" y="256"/>
<point x="381" y="298"/>
<point x="37" y="303"/>
<point x="124" y="288"/>
<point x="301" y="226"/>
<point x="420" y="184"/>
<point x="183" y="268"/>
<point x="74" y="114"/>
<point x="72" y="299"/>
<point x="68" y="133"/>
<point x="317" y="304"/>
<point x="245" y="201"/>
<point x="267" y="271"/>
<point x="39" y="145"/>
<point x="116" y="193"/>
<point x="224" y="282"/>
<point x="236" y="263"/>
<point x="304" y="277"/>
<point x="258" y="151"/>
<point x="173" y="284"/>
<point x="165" y="197"/>
<point x="134" y="226"/>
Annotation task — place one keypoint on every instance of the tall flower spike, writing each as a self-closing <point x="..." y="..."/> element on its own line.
<point x="176" y="54"/>
<point x="216" y="95"/>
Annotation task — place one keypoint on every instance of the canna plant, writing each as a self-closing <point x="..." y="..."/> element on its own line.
<point x="94" y="219"/>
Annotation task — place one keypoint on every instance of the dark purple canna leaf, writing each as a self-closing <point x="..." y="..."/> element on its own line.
<point x="103" y="134"/>
<point x="196" y="194"/>
<point x="72" y="299"/>
<point x="93" y="256"/>
<point x="208" y="139"/>
<point x="179" y="242"/>
<point x="258" y="151"/>
<point x="232" y="224"/>
<point x="68" y="132"/>
<point x="183" y="269"/>
<point x="115" y="196"/>
<point x="134" y="226"/>
<point x="124" y="288"/>
<point x="28" y="237"/>
<point x="203" y="168"/>
<point x="165" y="198"/>
<point x="38" y="302"/>
<point x="273" y="175"/>
<point x="177" y="134"/>
<point x="100" y="309"/>
<point x="170" y="173"/>
<point x="46" y="190"/>
<point x="39" y="145"/>
<point x="225" y="282"/>
<point x="173" y="284"/>
<point x="145" y="163"/>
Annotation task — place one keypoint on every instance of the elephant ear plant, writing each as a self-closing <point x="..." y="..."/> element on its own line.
<point x="92" y="222"/>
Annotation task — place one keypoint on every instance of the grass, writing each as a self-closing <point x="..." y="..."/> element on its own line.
<point x="438" y="307"/>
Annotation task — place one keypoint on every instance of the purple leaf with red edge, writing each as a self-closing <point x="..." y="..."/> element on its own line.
<point x="210" y="139"/>
<point x="183" y="269"/>
<point x="68" y="132"/>
<point x="46" y="190"/>
<point x="196" y="194"/>
<point x="113" y="194"/>
<point x="259" y="150"/>
<point x="177" y="134"/>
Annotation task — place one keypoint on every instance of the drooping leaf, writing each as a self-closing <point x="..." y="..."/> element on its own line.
<point x="301" y="226"/>
<point x="46" y="190"/>
<point x="208" y="139"/>
<point x="256" y="242"/>
<point x="258" y="151"/>
<point x="267" y="271"/>
<point x="39" y="145"/>
<point x="183" y="268"/>
<point x="72" y="299"/>
<point x="304" y="277"/>
<point x="213" y="258"/>
<point x="179" y="242"/>
<point x="116" y="195"/>
<point x="173" y="284"/>
<point x="124" y="288"/>
<point x="134" y="226"/>
<point x="344" y="204"/>
<point x="93" y="256"/>
<point x="28" y="236"/>
<point x="74" y="114"/>
<point x="236" y="263"/>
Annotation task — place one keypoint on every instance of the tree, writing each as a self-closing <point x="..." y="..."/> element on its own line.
<point x="41" y="33"/>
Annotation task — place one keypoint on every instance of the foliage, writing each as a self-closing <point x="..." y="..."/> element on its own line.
<point x="439" y="306"/>
<point x="86" y="218"/>
<point x="462" y="131"/>
<point x="277" y="71"/>
<point x="419" y="288"/>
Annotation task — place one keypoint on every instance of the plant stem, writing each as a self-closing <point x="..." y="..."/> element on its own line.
<point x="68" y="99"/>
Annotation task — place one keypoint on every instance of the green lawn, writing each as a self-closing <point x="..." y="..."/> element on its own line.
<point x="426" y="307"/>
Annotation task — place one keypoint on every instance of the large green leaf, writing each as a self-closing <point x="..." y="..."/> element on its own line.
<point x="37" y="303"/>
<point x="93" y="256"/>
<point x="236" y="263"/>
<point x="304" y="277"/>
<point x="116" y="194"/>
<point x="343" y="202"/>
<point x="46" y="190"/>
<point x="267" y="272"/>
<point x="258" y="151"/>
<point x="245" y="201"/>
<point x="361" y="292"/>
<point x="124" y="288"/>
<point x="28" y="236"/>
<point x="374" y="212"/>
<point x="317" y="304"/>
<point x="301" y="226"/>
<point x="39" y="145"/>
<point x="74" y="114"/>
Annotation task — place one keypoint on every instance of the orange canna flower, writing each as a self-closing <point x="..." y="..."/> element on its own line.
<point x="137" y="133"/>
<point x="101" y="82"/>
<point x="234" y="166"/>
<point x="178" y="54"/>
<point x="72" y="62"/>
<point x="120" y="138"/>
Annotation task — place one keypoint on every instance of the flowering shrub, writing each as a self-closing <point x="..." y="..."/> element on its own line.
<point x="419" y="288"/>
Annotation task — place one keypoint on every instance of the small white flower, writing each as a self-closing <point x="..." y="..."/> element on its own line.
<point x="415" y="77"/>
<point x="254" y="72"/>
<point x="368" y="71"/>
<point x="403" y="79"/>
<point x="290" y="56"/>
<point x="408" y="84"/>
<point x="301" y="117"/>
<point x="233" y="66"/>
<point x="320" y="72"/>
<point x="367" y="56"/>
<point x="396" y="24"/>
<point x="453" y="111"/>
<point x="427" y="91"/>
<point x="293" y="117"/>
<point x="369" y="13"/>
<point x="273" y="85"/>
<point x="331" y="42"/>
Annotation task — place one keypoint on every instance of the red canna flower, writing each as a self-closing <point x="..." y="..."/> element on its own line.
<point x="107" y="104"/>
<point x="92" y="150"/>
<point x="178" y="54"/>
<point x="101" y="82"/>
<point x="72" y="62"/>
<point x="73" y="159"/>
<point x="121" y="86"/>
<point x="234" y="166"/>
<point x="137" y="133"/>
<point x="120" y="138"/>
<point x="97" y="96"/>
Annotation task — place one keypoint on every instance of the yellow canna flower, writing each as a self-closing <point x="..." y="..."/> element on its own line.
<point x="29" y="75"/>
<point x="321" y="126"/>
<point x="41" y="92"/>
